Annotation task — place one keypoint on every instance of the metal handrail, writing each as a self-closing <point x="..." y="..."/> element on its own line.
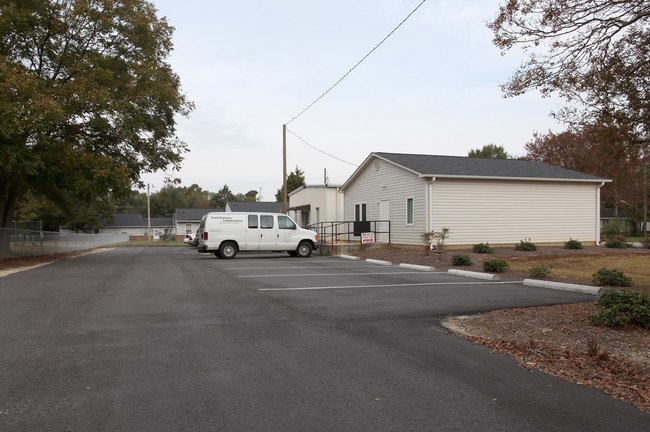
<point x="347" y="231"/>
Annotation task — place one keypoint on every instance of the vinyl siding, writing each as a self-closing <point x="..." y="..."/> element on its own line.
<point x="501" y="212"/>
<point x="393" y="184"/>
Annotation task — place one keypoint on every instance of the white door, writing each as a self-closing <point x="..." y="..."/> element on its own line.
<point x="268" y="233"/>
<point x="286" y="234"/>
<point x="383" y="227"/>
<point x="253" y="234"/>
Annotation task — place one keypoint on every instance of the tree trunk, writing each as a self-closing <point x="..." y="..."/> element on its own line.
<point x="7" y="207"/>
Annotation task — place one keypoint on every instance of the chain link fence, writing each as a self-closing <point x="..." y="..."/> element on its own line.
<point x="24" y="242"/>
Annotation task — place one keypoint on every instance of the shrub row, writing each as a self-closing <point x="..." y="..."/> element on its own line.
<point x="526" y="246"/>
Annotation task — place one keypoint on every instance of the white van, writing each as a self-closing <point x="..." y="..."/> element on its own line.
<point x="225" y="234"/>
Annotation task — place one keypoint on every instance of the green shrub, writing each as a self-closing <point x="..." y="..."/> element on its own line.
<point x="613" y="227"/>
<point x="540" y="271"/>
<point x="606" y="277"/>
<point x="526" y="246"/>
<point x="572" y="244"/>
<point x="461" y="260"/>
<point x="482" y="248"/>
<point x="621" y="308"/>
<point x="496" y="265"/>
<point x="616" y="242"/>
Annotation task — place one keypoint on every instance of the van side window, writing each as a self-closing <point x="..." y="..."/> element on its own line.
<point x="285" y="223"/>
<point x="252" y="221"/>
<point x="267" y="221"/>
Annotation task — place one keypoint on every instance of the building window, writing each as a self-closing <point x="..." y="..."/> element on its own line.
<point x="305" y="218"/>
<point x="360" y="212"/>
<point x="409" y="211"/>
<point x="188" y="228"/>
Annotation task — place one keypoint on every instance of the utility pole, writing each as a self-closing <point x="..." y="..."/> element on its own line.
<point x="284" y="167"/>
<point x="645" y="162"/>
<point x="148" y="217"/>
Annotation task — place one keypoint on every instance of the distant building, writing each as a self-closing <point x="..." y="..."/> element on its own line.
<point x="136" y="226"/>
<point x="187" y="220"/>
<point x="312" y="204"/>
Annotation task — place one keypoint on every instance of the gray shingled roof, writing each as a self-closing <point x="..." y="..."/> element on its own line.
<point x="193" y="214"/>
<point x="482" y="167"/>
<point x="262" y="207"/>
<point x="135" y="220"/>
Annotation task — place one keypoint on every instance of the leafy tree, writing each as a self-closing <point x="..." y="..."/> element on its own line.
<point x="164" y="202"/>
<point x="135" y="203"/>
<point x="169" y="198"/>
<point x="599" y="150"/>
<point x="295" y="179"/>
<point x="221" y="198"/>
<point x="250" y="196"/>
<point x="88" y="100"/>
<point x="592" y="53"/>
<point x="491" y="151"/>
<point x="195" y="197"/>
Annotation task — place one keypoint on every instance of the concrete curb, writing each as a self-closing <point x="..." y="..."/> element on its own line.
<point x="379" y="262"/>
<point x="350" y="257"/>
<point x="561" y="286"/>
<point x="417" y="267"/>
<point x="471" y="274"/>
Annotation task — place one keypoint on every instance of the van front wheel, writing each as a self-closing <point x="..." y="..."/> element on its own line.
<point x="228" y="250"/>
<point x="304" y="250"/>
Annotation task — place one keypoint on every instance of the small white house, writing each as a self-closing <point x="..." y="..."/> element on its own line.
<point x="312" y="204"/>
<point x="136" y="226"/>
<point x="498" y="201"/>
<point x="187" y="220"/>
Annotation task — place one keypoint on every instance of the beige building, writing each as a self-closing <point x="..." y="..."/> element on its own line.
<point x="496" y="201"/>
<point x="312" y="204"/>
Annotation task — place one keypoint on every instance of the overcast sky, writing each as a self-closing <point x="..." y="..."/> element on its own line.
<point x="250" y="66"/>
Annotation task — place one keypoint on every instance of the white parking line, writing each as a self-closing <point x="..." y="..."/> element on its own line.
<point x="387" y="285"/>
<point x="297" y="267"/>
<point x="336" y="274"/>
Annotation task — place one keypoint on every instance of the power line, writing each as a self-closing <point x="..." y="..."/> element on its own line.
<point x="358" y="63"/>
<point x="317" y="149"/>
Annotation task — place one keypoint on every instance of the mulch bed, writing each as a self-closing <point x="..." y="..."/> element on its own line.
<point x="442" y="261"/>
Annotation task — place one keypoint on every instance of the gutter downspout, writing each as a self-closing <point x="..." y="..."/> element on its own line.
<point x="598" y="212"/>
<point x="430" y="205"/>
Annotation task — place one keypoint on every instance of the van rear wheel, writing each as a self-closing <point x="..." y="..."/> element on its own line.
<point x="304" y="250"/>
<point x="228" y="250"/>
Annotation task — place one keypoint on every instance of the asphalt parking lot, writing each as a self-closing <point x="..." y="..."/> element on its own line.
<point x="164" y="339"/>
<point x="341" y="288"/>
